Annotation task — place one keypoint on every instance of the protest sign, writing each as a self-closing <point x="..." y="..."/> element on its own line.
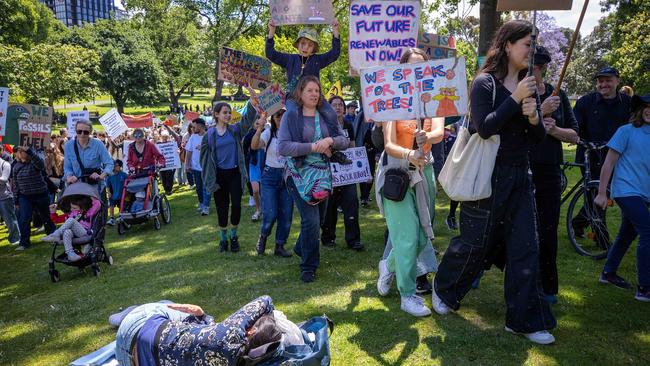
<point x="380" y="31"/>
<point x="4" y="104"/>
<point x="437" y="46"/>
<point x="138" y="121"/>
<point x="190" y="116"/>
<point x="335" y="90"/>
<point x="170" y="152"/>
<point x="72" y="119"/>
<point x="270" y="100"/>
<point x="28" y="125"/>
<point x="436" y="88"/>
<point x="113" y="123"/>
<point x="357" y="172"/>
<point x="244" y="69"/>
<point x="285" y="12"/>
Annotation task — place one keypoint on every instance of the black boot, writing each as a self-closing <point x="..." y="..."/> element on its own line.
<point x="223" y="246"/>
<point x="280" y="251"/>
<point x="261" y="245"/>
<point x="234" y="244"/>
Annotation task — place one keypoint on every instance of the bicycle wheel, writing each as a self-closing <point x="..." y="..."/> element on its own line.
<point x="591" y="229"/>
<point x="564" y="182"/>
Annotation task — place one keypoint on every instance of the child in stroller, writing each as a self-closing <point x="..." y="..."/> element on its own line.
<point x="78" y="223"/>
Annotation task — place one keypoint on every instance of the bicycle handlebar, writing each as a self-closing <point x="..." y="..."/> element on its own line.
<point x="592" y="145"/>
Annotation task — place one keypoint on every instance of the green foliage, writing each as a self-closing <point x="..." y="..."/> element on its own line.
<point x="24" y="23"/>
<point x="47" y="72"/>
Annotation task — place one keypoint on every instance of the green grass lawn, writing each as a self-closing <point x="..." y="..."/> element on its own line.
<point x="43" y="323"/>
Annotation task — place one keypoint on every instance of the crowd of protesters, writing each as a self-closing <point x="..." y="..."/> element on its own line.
<point x="283" y="161"/>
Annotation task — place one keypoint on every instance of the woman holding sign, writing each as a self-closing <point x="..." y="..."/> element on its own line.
<point x="501" y="228"/>
<point x="406" y="194"/>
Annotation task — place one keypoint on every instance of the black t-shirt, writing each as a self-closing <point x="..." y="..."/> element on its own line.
<point x="348" y="130"/>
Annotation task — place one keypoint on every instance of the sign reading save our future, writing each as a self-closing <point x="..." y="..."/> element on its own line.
<point x="380" y="31"/>
<point x="301" y="11"/>
<point x="435" y="88"/>
<point x="244" y="69"/>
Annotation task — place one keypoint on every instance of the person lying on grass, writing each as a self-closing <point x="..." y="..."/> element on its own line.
<point x="182" y="334"/>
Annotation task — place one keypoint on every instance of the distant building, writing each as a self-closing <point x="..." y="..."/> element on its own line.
<point x="77" y="12"/>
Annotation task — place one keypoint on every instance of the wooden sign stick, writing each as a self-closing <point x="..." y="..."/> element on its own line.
<point x="574" y="38"/>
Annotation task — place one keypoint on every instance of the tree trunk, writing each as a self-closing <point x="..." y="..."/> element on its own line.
<point x="218" y="84"/>
<point x="488" y="24"/>
<point x="172" y="95"/>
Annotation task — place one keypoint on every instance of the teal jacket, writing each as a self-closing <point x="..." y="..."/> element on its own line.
<point x="208" y="147"/>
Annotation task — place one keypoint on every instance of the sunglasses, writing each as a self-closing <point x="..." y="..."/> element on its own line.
<point x="83" y="132"/>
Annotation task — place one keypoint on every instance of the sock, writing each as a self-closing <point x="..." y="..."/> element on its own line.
<point x="233" y="232"/>
<point x="224" y="234"/>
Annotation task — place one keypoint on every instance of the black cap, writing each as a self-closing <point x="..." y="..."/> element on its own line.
<point x="607" y="71"/>
<point x="118" y="162"/>
<point x="639" y="100"/>
<point x="542" y="56"/>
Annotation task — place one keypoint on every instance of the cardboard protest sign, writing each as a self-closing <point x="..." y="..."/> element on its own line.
<point x="244" y="69"/>
<point x="28" y="125"/>
<point x="436" y="88"/>
<point x="285" y="12"/>
<point x="437" y="46"/>
<point x="380" y="31"/>
<point x="170" y="152"/>
<point x="270" y="100"/>
<point x="138" y="121"/>
<point x="113" y="123"/>
<point x="73" y="117"/>
<point x="4" y="104"/>
<point x="357" y="172"/>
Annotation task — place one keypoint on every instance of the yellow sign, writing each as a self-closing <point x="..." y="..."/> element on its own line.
<point x="336" y="90"/>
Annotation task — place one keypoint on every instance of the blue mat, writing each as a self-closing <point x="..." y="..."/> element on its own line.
<point x="104" y="356"/>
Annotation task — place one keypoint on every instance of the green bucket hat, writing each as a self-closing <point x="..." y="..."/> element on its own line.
<point x="310" y="34"/>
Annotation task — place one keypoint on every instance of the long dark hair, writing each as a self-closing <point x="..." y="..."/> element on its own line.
<point x="266" y="331"/>
<point x="302" y="83"/>
<point x="497" y="58"/>
<point x="274" y="127"/>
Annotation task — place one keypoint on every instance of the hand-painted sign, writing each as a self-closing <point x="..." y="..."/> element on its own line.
<point x="244" y="69"/>
<point x="437" y="46"/>
<point x="113" y="123"/>
<point x="73" y="117"/>
<point x="357" y="172"/>
<point x="29" y="125"/>
<point x="270" y="100"/>
<point x="301" y="11"/>
<point x="380" y="31"/>
<point x="4" y="104"/>
<point x="170" y="152"/>
<point x="435" y="88"/>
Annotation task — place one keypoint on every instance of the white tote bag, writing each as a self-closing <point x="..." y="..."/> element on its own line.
<point x="467" y="173"/>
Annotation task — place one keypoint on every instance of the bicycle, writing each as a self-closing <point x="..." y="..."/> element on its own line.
<point x="588" y="226"/>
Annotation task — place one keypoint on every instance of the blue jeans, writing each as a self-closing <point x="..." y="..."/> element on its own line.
<point x="27" y="204"/>
<point x="635" y="220"/>
<point x="202" y="194"/>
<point x="307" y="246"/>
<point x="133" y="322"/>
<point x="277" y="205"/>
<point x="190" y="177"/>
<point x="8" y="213"/>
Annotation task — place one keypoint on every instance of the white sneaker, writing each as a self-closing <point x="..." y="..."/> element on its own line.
<point x="15" y="243"/>
<point x="205" y="211"/>
<point x="73" y="256"/>
<point x="414" y="305"/>
<point x="386" y="277"/>
<point x="438" y="306"/>
<point x="541" y="337"/>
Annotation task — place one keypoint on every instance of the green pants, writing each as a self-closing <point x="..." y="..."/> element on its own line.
<point x="406" y="234"/>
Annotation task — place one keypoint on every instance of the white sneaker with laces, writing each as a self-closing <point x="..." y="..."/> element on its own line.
<point x="385" y="280"/>
<point x="438" y="306"/>
<point x="540" y="337"/>
<point x="72" y="256"/>
<point x="414" y="305"/>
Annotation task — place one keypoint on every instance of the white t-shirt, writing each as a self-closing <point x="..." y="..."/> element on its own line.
<point x="273" y="159"/>
<point x="194" y="145"/>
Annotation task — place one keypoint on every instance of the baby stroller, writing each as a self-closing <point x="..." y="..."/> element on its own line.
<point x="142" y="201"/>
<point x="97" y="252"/>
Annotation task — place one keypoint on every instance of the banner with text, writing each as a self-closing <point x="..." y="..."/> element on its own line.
<point x="436" y="88"/>
<point x="72" y="119"/>
<point x="285" y="12"/>
<point x="28" y="125"/>
<point x="437" y="46"/>
<point x="241" y="68"/>
<point x="4" y="104"/>
<point x="113" y="123"/>
<point x="380" y="31"/>
<point x="138" y="121"/>
<point x="270" y="100"/>
<point x="170" y="152"/>
<point x="357" y="172"/>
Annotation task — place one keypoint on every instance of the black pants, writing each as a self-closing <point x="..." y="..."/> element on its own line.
<point x="167" y="178"/>
<point x="365" y="189"/>
<point x="548" y="188"/>
<point x="346" y="196"/>
<point x="509" y="215"/>
<point x="228" y="196"/>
